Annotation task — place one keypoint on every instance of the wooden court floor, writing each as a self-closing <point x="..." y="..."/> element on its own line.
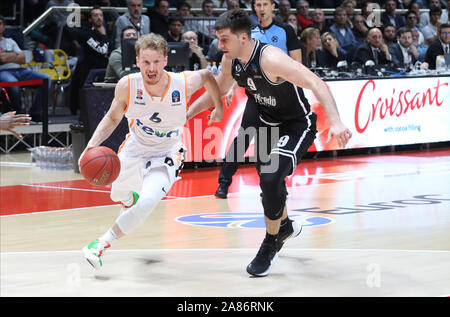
<point x="374" y="225"/>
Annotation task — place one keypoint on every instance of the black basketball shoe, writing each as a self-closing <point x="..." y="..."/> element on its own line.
<point x="222" y="191"/>
<point x="290" y="230"/>
<point x="265" y="258"/>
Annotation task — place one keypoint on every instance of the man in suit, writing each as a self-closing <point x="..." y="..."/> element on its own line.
<point x="404" y="53"/>
<point x="373" y="49"/>
<point x="390" y="16"/>
<point x="441" y="46"/>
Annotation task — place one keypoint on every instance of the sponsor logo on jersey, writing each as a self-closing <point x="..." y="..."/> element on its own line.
<point x="151" y="131"/>
<point x="139" y="93"/>
<point x="267" y="101"/>
<point x="250" y="220"/>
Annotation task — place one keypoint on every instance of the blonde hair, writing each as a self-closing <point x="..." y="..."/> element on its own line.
<point x="152" y="41"/>
<point x="309" y="33"/>
<point x="324" y="35"/>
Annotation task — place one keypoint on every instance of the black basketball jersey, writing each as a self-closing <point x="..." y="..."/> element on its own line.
<point x="277" y="102"/>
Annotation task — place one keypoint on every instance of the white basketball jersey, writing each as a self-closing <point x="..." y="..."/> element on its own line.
<point x="156" y="123"/>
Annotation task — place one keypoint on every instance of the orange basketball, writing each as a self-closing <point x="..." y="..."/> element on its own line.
<point x="100" y="166"/>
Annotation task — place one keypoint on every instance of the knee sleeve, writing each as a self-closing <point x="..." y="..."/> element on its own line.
<point x="136" y="215"/>
<point x="273" y="190"/>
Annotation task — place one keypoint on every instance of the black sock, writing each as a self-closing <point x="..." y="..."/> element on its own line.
<point x="272" y="238"/>
<point x="284" y="221"/>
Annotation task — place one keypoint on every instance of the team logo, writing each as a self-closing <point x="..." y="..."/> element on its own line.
<point x="248" y="220"/>
<point x="175" y="96"/>
<point x="139" y="93"/>
<point x="274" y="38"/>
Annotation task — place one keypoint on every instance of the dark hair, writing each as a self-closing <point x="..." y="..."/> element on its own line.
<point x="443" y="26"/>
<point x="435" y="10"/>
<point x="2" y="18"/>
<point x="96" y="7"/>
<point x="338" y="10"/>
<point x="183" y="4"/>
<point x="402" y="30"/>
<point x="176" y="17"/>
<point x="129" y="27"/>
<point x="236" y="20"/>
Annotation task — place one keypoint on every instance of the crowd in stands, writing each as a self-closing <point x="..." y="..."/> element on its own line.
<point x="393" y="38"/>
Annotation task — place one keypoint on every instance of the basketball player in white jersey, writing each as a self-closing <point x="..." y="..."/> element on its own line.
<point x="155" y="103"/>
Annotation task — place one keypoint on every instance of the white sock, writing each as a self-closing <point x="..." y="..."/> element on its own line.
<point x="109" y="236"/>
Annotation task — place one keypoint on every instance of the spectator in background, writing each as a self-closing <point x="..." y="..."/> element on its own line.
<point x="359" y="29"/>
<point x="207" y="26"/>
<point x="109" y="16"/>
<point x="367" y="13"/>
<point x="310" y="38"/>
<point x="176" y="25"/>
<point x="349" y="6"/>
<point x="420" y="45"/>
<point x="284" y="9"/>
<point x="96" y="47"/>
<point x="132" y="18"/>
<point x="159" y="17"/>
<point x="390" y="16"/>
<point x="292" y="21"/>
<point x="373" y="49"/>
<point x="440" y="46"/>
<point x="184" y="10"/>
<point x="342" y="32"/>
<point x="430" y="31"/>
<point x="330" y="54"/>
<point x="114" y="69"/>
<point x="411" y="22"/>
<point x="320" y="21"/>
<point x="53" y="25"/>
<point x="404" y="53"/>
<point x="425" y="17"/>
<point x="233" y="4"/>
<point x="415" y="7"/>
<point x="389" y="34"/>
<point x="303" y="17"/>
<point x="11" y="57"/>
<point x="197" y="59"/>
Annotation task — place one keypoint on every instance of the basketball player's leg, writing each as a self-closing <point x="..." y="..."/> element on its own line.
<point x="237" y="149"/>
<point x="156" y="183"/>
<point x="126" y="187"/>
<point x="282" y="161"/>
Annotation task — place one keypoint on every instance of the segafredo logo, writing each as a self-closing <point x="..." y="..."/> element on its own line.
<point x="252" y="220"/>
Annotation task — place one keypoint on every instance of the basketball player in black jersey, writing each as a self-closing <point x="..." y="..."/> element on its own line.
<point x="273" y="82"/>
<point x="274" y="33"/>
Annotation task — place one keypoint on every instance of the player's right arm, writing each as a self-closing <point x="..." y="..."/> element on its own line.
<point x="113" y="117"/>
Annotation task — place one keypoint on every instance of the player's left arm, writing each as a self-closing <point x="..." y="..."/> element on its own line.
<point x="278" y="66"/>
<point x="204" y="78"/>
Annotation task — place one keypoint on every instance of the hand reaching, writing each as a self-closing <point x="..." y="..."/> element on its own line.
<point x="10" y="120"/>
